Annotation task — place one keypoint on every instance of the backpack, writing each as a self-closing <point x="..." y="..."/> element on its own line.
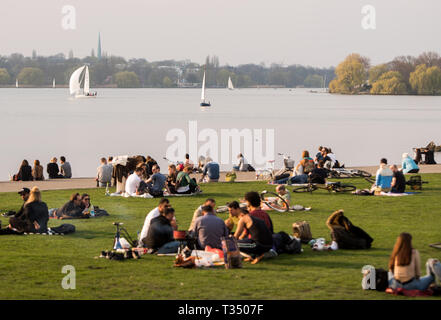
<point x="309" y="166"/>
<point x="63" y="229"/>
<point x="302" y="231"/>
<point x="232" y="257"/>
<point x="374" y="279"/>
<point x="285" y="244"/>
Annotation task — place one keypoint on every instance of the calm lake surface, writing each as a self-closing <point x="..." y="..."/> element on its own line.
<point x="42" y="123"/>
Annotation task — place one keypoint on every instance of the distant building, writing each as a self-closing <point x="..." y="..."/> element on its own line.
<point x="98" y="52"/>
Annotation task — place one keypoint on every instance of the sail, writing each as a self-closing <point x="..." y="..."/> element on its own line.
<point x="53" y="83"/>
<point x="74" y="82"/>
<point x="203" y="88"/>
<point x="16" y="83"/>
<point x="230" y="84"/>
<point x="86" y="81"/>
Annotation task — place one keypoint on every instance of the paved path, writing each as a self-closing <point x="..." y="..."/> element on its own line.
<point x="86" y="183"/>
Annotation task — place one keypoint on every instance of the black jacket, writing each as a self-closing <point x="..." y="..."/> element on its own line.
<point x="25" y="173"/>
<point x="52" y="170"/>
<point x="70" y="210"/>
<point x="160" y="232"/>
<point x="32" y="212"/>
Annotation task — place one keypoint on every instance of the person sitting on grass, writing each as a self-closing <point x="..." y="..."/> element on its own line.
<point x="405" y="266"/>
<point x="156" y="182"/>
<point x="345" y="235"/>
<point x="164" y="203"/>
<point x="383" y="178"/>
<point x="159" y="237"/>
<point x="253" y="202"/>
<point x="210" y="172"/>
<point x="33" y="219"/>
<point x="24" y="194"/>
<point x="185" y="184"/>
<point x="408" y="165"/>
<point x="209" y="229"/>
<point x="260" y="240"/>
<point x="233" y="215"/>
<point x="188" y="163"/>
<point x="73" y="209"/>
<point x="300" y="174"/>
<point x="133" y="182"/>
<point x="319" y="174"/>
<point x="285" y="195"/>
<point x="242" y="164"/>
<point x="198" y="212"/>
<point x="24" y="172"/>
<point x="170" y="183"/>
<point x="398" y="184"/>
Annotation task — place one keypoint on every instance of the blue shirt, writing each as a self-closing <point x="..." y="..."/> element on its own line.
<point x="408" y="164"/>
<point x="384" y="178"/>
<point x="158" y="182"/>
<point x="212" y="170"/>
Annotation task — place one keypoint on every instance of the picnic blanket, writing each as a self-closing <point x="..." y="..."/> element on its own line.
<point x="410" y="293"/>
<point x="390" y="194"/>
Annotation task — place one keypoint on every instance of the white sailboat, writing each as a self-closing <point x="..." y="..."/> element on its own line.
<point x="75" y="83"/>
<point x="53" y="83"/>
<point x="16" y="83"/>
<point x="230" y="84"/>
<point x="203" y="102"/>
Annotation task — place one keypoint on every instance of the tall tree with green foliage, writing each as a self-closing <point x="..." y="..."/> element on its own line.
<point x="389" y="83"/>
<point x="426" y="81"/>
<point x="31" y="76"/>
<point x="351" y="75"/>
<point x="126" y="79"/>
<point x="5" y="78"/>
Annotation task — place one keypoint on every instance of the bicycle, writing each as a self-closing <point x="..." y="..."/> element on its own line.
<point x="268" y="173"/>
<point x="343" y="173"/>
<point x="330" y="187"/>
<point x="271" y="201"/>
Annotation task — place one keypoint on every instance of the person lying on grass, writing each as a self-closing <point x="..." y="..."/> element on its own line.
<point x="33" y="218"/>
<point x="260" y="240"/>
<point x="345" y="234"/>
<point x="285" y="195"/>
<point x="405" y="266"/>
<point x="73" y="209"/>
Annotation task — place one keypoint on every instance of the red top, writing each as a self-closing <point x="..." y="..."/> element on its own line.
<point x="259" y="213"/>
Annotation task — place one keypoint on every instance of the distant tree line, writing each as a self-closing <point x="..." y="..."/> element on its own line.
<point x="117" y="71"/>
<point x="403" y="75"/>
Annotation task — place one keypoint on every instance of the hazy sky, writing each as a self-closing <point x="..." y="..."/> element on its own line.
<point x="310" y="32"/>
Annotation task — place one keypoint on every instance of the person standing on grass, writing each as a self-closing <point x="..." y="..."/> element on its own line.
<point x="260" y="240"/>
<point x="405" y="266"/>
<point x="398" y="184"/>
<point x="66" y="170"/>
<point x="104" y="173"/>
<point x="253" y="202"/>
<point x="209" y="229"/>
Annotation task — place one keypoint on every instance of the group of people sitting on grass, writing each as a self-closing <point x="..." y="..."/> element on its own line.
<point x="26" y="173"/>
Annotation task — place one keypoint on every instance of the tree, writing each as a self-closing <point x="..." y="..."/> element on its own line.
<point x="389" y="83"/>
<point x="351" y="75"/>
<point x="5" y="78"/>
<point x="126" y="79"/>
<point x="425" y="80"/>
<point x="167" y="82"/>
<point x="31" y="76"/>
<point x="313" y="81"/>
<point x="376" y="72"/>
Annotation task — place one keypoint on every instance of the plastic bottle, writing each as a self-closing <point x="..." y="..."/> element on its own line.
<point x="107" y="190"/>
<point x="92" y="211"/>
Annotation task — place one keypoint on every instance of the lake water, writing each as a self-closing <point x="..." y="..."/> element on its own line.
<point x="42" y="123"/>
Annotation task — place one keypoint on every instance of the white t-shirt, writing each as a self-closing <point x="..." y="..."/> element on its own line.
<point x="132" y="184"/>
<point x="145" y="228"/>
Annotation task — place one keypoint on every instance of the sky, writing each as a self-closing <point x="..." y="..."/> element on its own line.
<point x="318" y="33"/>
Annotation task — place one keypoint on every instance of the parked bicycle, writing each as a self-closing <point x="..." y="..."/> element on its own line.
<point x="342" y="173"/>
<point x="269" y="173"/>
<point x="330" y="187"/>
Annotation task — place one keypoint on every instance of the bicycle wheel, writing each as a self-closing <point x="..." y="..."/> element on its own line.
<point x="264" y="175"/>
<point x="309" y="188"/>
<point x="345" y="188"/>
<point x="271" y="204"/>
<point x="362" y="173"/>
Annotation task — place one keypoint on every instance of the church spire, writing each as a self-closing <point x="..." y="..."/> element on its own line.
<point x="98" y="52"/>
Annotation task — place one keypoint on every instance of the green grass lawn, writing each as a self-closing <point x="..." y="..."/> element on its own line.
<point x="30" y="265"/>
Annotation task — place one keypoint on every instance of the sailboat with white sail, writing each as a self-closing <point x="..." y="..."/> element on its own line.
<point x="203" y="102"/>
<point x="230" y="84"/>
<point x="53" y="83"/>
<point x="78" y="77"/>
<point x="16" y="83"/>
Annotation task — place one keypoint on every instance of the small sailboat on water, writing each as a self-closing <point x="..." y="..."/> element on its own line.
<point x="78" y="77"/>
<point x="230" y="84"/>
<point x="16" y="83"/>
<point x="203" y="102"/>
<point x="53" y="83"/>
